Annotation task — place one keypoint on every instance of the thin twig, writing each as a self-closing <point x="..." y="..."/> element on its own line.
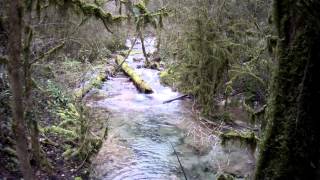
<point x="124" y="59"/>
<point x="48" y="53"/>
<point x="175" y="152"/>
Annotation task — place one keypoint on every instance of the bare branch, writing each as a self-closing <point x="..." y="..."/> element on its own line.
<point x="48" y="53"/>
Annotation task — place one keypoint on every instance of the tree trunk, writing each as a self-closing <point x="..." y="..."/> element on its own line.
<point x="159" y="38"/>
<point x="291" y="146"/>
<point x="143" y="46"/>
<point x="15" y="78"/>
<point x="29" y="117"/>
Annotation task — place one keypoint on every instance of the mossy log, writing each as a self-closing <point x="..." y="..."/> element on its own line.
<point x="93" y="82"/>
<point x="140" y="84"/>
<point x="247" y="137"/>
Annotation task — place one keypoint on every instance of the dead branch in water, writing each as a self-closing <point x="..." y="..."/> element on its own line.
<point x="175" y="99"/>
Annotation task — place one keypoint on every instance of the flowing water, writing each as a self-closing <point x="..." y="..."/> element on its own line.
<point x="146" y="136"/>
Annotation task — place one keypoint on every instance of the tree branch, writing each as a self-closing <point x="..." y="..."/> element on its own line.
<point x="48" y="53"/>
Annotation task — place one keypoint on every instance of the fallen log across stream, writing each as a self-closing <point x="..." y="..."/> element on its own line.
<point x="141" y="85"/>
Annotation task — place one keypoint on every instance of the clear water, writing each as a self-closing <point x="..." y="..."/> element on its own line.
<point x="144" y="133"/>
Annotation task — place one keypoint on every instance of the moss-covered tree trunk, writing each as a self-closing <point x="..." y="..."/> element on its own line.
<point x="291" y="148"/>
<point x="15" y="78"/>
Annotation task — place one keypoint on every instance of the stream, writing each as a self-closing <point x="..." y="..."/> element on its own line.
<point x="146" y="137"/>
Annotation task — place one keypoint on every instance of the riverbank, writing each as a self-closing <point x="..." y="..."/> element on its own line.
<point x="62" y="119"/>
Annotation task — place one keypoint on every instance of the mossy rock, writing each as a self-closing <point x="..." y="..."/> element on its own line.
<point x="153" y="65"/>
<point x="93" y="82"/>
<point x="225" y="177"/>
<point x="167" y="78"/>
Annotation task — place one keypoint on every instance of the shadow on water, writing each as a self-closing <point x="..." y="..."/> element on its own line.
<point x="142" y="128"/>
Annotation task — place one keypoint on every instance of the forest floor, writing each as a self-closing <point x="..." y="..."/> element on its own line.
<point x="73" y="76"/>
<point x="65" y="78"/>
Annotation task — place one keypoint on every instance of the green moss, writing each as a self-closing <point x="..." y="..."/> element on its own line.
<point x="93" y="82"/>
<point x="222" y="117"/>
<point x="225" y="177"/>
<point x="141" y="6"/>
<point x="61" y="132"/>
<point x="90" y="9"/>
<point x="245" y="137"/>
<point x="140" y="84"/>
<point x="288" y="150"/>
<point x="66" y="123"/>
<point x="9" y="151"/>
<point x="132" y="52"/>
<point x="99" y="2"/>
<point x="69" y="63"/>
<point x="67" y="152"/>
<point x="167" y="78"/>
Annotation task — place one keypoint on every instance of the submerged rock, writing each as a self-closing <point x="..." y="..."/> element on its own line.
<point x="225" y="177"/>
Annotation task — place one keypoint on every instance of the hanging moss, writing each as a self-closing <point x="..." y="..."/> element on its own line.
<point x="91" y="10"/>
